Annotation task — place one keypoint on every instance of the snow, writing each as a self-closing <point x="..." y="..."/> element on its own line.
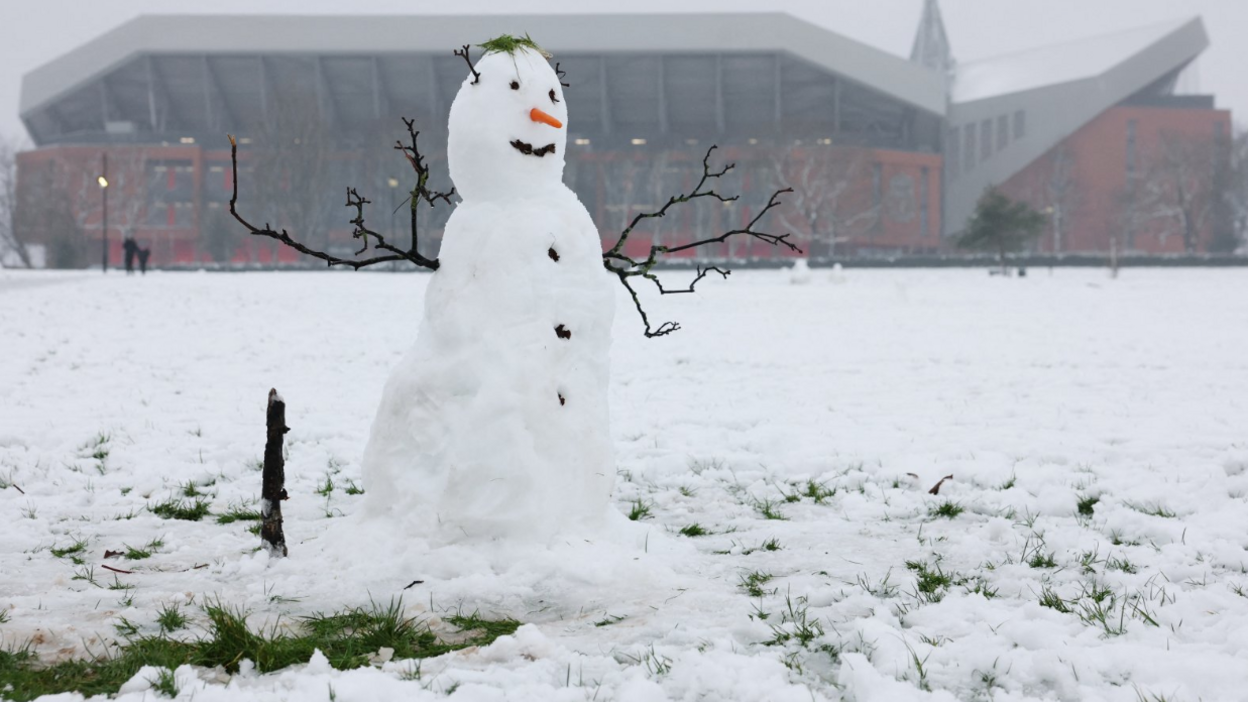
<point x="1032" y="393"/>
<point x="1055" y="64"/>
<point x="496" y="423"/>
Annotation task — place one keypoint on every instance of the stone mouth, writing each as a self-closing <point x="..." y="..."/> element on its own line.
<point x="528" y="150"/>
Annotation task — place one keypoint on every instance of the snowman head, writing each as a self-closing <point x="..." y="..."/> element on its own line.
<point x="507" y="129"/>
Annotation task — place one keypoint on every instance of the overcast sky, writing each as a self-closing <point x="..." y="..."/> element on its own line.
<point x="40" y="31"/>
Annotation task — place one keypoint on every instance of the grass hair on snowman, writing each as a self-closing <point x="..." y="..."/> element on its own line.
<point x="508" y="44"/>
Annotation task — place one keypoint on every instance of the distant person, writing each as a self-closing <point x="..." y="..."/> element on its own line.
<point x="131" y="249"/>
<point x="143" y="254"/>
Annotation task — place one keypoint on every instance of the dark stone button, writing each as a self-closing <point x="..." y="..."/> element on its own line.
<point x="563" y="332"/>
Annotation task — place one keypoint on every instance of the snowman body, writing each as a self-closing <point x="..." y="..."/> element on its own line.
<point x="496" y="423"/>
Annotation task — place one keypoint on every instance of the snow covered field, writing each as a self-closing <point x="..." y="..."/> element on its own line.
<point x="1091" y="545"/>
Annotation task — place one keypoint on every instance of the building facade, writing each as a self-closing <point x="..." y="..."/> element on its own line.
<point x="885" y="155"/>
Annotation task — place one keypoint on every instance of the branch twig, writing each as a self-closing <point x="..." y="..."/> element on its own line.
<point x="476" y="77"/>
<point x="420" y="193"/>
<point x="625" y="267"/>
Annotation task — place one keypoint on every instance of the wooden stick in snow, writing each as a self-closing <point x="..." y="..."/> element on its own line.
<point x="273" y="491"/>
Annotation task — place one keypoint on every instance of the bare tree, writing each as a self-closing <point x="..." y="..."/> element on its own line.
<point x="1179" y="188"/>
<point x="129" y="188"/>
<point x="12" y="248"/>
<point x="829" y="201"/>
<point x="44" y="214"/>
<point x="1233" y="232"/>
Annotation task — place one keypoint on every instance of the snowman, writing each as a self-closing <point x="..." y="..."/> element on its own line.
<point x="495" y="424"/>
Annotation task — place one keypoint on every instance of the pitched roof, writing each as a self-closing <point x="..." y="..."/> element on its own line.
<point x="1056" y="63"/>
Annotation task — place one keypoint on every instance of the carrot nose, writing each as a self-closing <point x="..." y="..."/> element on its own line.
<point x="538" y="116"/>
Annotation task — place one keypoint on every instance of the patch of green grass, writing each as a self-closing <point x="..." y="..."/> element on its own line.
<point x="1121" y="564"/>
<point x="931" y="582"/>
<point x="353" y="489"/>
<point x="768" y="509"/>
<point x="1155" y="509"/>
<point x="1050" y="599"/>
<point x="170" y="618"/>
<point x="86" y="574"/>
<point x="239" y="513"/>
<point x="609" y="620"/>
<point x="795" y="625"/>
<point x="179" y="509"/>
<point x="126" y="628"/>
<point x="165" y="683"/>
<point x="190" y="489"/>
<point x="818" y="492"/>
<point x="639" y="511"/>
<point x="1009" y="483"/>
<point x="883" y="589"/>
<point x="4" y="616"/>
<point x="1087" y="504"/>
<point x="752" y="583"/>
<point x="771" y="544"/>
<point x="77" y="547"/>
<point x="489" y="628"/>
<point x="982" y="588"/>
<point x="1088" y="561"/>
<point x="138" y="554"/>
<point x="693" y="530"/>
<point x="327" y="487"/>
<point x="946" y="509"/>
<point x="347" y="638"/>
<point x="1040" y="559"/>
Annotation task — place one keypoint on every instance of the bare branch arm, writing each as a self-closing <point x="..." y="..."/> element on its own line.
<point x="625" y="267"/>
<point x="420" y="194"/>
<point x="284" y="236"/>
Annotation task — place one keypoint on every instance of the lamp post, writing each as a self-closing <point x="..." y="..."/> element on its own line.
<point x="103" y="181"/>
<point x="394" y="207"/>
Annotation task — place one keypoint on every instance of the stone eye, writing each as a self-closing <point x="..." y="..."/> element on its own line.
<point x="552" y="96"/>
<point x="515" y="85"/>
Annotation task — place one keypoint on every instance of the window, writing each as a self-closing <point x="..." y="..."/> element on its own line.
<point x="877" y="184"/>
<point x="1003" y="132"/>
<point x="968" y="144"/>
<point x="985" y="139"/>
<point x="1020" y="125"/>
<point x="172" y="215"/>
<point x="218" y="184"/>
<point x="1131" y="127"/>
<point x="953" y="153"/>
<point x="923" y="225"/>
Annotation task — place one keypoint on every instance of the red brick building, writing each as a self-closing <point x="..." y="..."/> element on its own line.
<point x="885" y="156"/>
<point x="1113" y="182"/>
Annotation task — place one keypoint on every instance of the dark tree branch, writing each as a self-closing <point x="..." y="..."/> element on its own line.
<point x="625" y="267"/>
<point x="476" y="77"/>
<point x="419" y="194"/>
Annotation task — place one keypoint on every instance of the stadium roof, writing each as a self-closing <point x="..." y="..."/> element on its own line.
<point x="1058" y="63"/>
<point x="372" y="35"/>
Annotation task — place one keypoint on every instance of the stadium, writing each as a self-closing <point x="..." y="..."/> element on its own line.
<point x="886" y="155"/>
